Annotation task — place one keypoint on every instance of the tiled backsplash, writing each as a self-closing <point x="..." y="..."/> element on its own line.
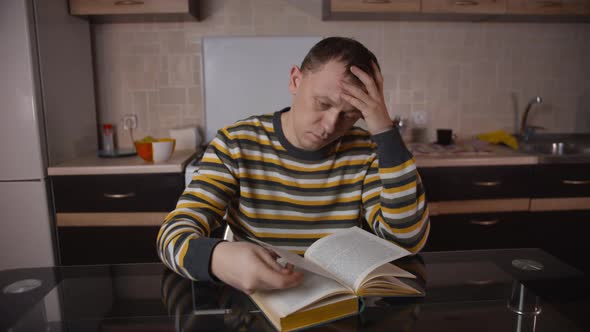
<point x="471" y="77"/>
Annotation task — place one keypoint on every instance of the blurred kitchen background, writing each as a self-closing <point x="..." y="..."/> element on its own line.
<point x="71" y="66"/>
<point x="473" y="77"/>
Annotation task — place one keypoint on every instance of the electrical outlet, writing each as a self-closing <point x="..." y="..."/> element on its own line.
<point x="420" y="118"/>
<point x="129" y="121"/>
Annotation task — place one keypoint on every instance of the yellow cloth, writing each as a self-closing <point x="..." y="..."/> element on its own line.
<point x="500" y="136"/>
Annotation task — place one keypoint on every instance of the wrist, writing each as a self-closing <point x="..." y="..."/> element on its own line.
<point x="216" y="257"/>
<point x="381" y="127"/>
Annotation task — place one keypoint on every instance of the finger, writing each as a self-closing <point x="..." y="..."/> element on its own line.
<point x="288" y="269"/>
<point x="355" y="102"/>
<point x="378" y="75"/>
<point x="367" y="81"/>
<point x="272" y="280"/>
<point x="354" y="91"/>
<point x="269" y="260"/>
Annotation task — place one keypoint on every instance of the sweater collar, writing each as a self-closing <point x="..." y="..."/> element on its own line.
<point x="295" y="151"/>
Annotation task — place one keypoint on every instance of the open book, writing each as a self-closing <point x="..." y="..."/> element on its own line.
<point x="337" y="270"/>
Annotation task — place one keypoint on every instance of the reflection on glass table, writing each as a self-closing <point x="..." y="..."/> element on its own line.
<point x="486" y="290"/>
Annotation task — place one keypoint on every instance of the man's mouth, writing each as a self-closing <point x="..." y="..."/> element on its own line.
<point x="319" y="138"/>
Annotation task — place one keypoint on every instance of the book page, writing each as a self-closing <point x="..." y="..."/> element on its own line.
<point x="386" y="285"/>
<point x="313" y="288"/>
<point x="352" y="254"/>
<point x="389" y="269"/>
<point x="296" y="260"/>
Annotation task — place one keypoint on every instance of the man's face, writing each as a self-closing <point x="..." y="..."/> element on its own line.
<point x="319" y="114"/>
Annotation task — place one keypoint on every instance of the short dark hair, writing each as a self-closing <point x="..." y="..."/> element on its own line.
<point x="342" y="49"/>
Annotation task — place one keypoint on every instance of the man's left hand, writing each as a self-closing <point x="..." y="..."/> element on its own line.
<point x="371" y="103"/>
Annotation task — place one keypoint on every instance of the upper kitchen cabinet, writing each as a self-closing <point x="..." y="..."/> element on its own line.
<point x="457" y="10"/>
<point x="368" y="9"/>
<point x="548" y="7"/>
<point x="129" y="10"/>
<point x="464" y="6"/>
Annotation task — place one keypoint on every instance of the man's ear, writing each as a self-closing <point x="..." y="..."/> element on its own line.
<point x="295" y="77"/>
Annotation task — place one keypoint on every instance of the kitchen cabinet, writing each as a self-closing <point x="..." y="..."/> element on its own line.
<point x="563" y="234"/>
<point x="115" y="218"/>
<point x="562" y="180"/>
<point x="479" y="207"/>
<point x="480" y="182"/>
<point x="368" y="9"/>
<point x="458" y="10"/>
<point x="464" y="6"/>
<point x="564" y="187"/>
<point x="480" y="231"/>
<point x="374" y="6"/>
<point x="134" y="7"/>
<point x="473" y="208"/>
<point x="117" y="192"/>
<point x="548" y="7"/>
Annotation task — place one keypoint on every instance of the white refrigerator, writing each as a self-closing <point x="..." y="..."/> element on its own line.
<point x="47" y="116"/>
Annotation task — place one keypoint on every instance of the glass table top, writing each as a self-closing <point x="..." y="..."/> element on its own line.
<point x="484" y="290"/>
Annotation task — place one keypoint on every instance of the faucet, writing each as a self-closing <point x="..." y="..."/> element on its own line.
<point x="525" y="130"/>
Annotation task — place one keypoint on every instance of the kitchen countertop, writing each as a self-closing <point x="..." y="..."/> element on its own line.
<point x="471" y="153"/>
<point x="466" y="153"/>
<point x="94" y="165"/>
<point x="465" y="291"/>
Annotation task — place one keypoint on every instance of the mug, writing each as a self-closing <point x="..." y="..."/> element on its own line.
<point x="444" y="136"/>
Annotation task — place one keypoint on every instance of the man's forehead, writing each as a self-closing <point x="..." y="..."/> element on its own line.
<point x="346" y="107"/>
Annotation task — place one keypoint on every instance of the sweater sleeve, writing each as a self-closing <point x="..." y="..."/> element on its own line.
<point x="393" y="196"/>
<point x="183" y="242"/>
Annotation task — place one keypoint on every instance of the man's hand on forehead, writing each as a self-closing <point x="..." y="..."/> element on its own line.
<point x="368" y="99"/>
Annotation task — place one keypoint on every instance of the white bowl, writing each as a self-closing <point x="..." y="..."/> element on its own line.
<point x="162" y="150"/>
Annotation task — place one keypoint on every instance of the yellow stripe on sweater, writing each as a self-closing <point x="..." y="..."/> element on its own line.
<point x="327" y="185"/>
<point x="398" y="168"/>
<point x="275" y="198"/>
<point x="406" y="208"/>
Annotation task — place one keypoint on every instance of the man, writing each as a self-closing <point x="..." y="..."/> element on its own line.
<point x="292" y="177"/>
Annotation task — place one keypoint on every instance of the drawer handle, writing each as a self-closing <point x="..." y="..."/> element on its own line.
<point x="128" y="3"/>
<point x="576" y="182"/>
<point x="484" y="222"/>
<point x="487" y="183"/>
<point x="377" y="1"/>
<point x="127" y="195"/>
<point x="466" y="3"/>
<point x="479" y="282"/>
<point x="549" y="4"/>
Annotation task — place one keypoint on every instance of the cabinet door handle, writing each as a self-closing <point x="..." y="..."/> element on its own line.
<point x="479" y="282"/>
<point x="487" y="183"/>
<point x="377" y="1"/>
<point x="466" y="3"/>
<point x="484" y="222"/>
<point x="575" y="182"/>
<point x="127" y="195"/>
<point x="128" y="3"/>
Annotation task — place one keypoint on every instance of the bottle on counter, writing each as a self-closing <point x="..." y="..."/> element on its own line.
<point x="108" y="139"/>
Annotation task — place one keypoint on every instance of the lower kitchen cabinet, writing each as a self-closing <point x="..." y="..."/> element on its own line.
<point x="560" y="233"/>
<point x="107" y="245"/>
<point x="112" y="218"/>
<point x="479" y="231"/>
<point x="564" y="234"/>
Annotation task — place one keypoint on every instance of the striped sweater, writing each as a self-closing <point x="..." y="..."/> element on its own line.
<point x="253" y="179"/>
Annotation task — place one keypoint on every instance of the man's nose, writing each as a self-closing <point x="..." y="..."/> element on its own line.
<point x="330" y="121"/>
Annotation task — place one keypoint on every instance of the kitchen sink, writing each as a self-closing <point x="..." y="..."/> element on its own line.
<point x="558" y="148"/>
<point x="553" y="148"/>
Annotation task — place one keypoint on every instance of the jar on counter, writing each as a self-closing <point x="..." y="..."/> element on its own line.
<point x="108" y="138"/>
